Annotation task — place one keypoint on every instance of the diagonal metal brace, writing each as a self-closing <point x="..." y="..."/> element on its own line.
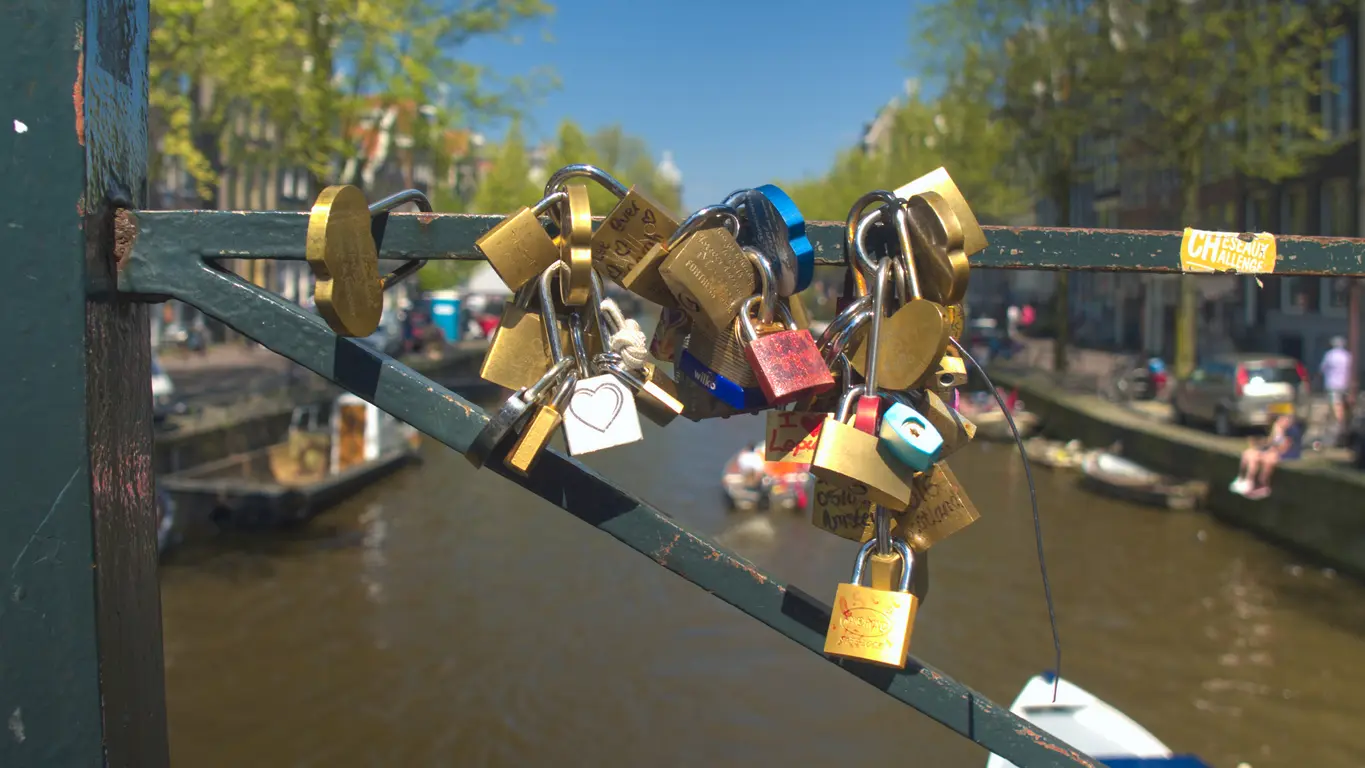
<point x="397" y="389"/>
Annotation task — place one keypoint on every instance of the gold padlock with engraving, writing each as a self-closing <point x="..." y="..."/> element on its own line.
<point x="707" y="271"/>
<point x="847" y="456"/>
<point x="628" y="231"/>
<point x="518" y="248"/>
<point x="939" y="509"/>
<point x="342" y="256"/>
<point x="873" y="625"/>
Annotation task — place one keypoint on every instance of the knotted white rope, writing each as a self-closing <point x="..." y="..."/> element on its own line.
<point x="627" y="340"/>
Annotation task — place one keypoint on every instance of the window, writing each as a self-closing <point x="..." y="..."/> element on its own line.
<point x="1336" y="208"/>
<point x="1300" y="294"/>
<point x="1294" y="211"/>
<point x="1258" y="212"/>
<point x="1336" y="295"/>
<point x="1337" y="85"/>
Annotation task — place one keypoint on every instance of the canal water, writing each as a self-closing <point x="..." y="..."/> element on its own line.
<point x="445" y="617"/>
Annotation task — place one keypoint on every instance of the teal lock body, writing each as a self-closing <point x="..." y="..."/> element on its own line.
<point x="910" y="437"/>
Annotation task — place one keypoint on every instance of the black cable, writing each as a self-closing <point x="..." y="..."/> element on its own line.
<point x="1037" y="522"/>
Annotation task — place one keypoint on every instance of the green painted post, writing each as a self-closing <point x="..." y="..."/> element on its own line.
<point x="81" y="672"/>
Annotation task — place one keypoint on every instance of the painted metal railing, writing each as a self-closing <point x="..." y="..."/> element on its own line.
<point x="81" y="669"/>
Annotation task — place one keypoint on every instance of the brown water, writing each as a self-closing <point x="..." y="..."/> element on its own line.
<point x="445" y="617"/>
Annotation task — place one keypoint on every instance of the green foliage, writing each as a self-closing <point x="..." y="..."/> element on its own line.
<point x="314" y="70"/>
<point x="626" y="158"/>
<point x="508" y="184"/>
<point x="956" y="132"/>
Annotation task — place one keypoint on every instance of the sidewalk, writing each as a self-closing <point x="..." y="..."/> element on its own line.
<point x="220" y="356"/>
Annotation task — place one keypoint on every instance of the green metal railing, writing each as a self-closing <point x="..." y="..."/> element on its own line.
<point x="81" y="669"/>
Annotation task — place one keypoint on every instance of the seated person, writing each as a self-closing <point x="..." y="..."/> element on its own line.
<point x="1258" y="462"/>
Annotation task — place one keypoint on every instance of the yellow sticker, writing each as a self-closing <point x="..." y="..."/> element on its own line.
<point x="1247" y="254"/>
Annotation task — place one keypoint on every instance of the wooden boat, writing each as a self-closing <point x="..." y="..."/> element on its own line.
<point x="1054" y="454"/>
<point x="317" y="465"/>
<point x="783" y="485"/>
<point x="1092" y="726"/>
<point x="1112" y="475"/>
<point x="992" y="426"/>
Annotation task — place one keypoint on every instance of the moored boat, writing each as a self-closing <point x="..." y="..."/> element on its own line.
<point x="1107" y="473"/>
<point x="1055" y="454"/>
<point x="778" y="485"/>
<point x="320" y="463"/>
<point x="1094" y="727"/>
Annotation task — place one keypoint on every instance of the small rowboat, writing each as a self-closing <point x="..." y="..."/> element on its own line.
<point x="1092" y="726"/>
<point x="1112" y="475"/>
<point x="1054" y="454"/>
<point x="992" y="426"/>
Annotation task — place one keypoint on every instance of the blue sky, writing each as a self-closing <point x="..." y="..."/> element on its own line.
<point x="742" y="93"/>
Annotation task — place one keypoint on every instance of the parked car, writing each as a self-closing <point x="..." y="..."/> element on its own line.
<point x="1233" y="392"/>
<point x="163" y="391"/>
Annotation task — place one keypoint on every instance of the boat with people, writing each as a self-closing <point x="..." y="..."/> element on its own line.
<point x="1112" y="475"/>
<point x="1092" y="726"/>
<point x="323" y="459"/>
<point x="750" y="482"/>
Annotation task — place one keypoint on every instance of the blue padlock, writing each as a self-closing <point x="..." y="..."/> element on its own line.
<point x="796" y="234"/>
<point x="764" y="228"/>
<point x="909" y="437"/>
<point x="727" y="391"/>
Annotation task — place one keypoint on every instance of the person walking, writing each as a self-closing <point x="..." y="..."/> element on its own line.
<point x="1336" y="379"/>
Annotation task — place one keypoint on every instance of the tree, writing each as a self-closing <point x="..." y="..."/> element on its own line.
<point x="1224" y="84"/>
<point x="314" y="72"/>
<point x="624" y="157"/>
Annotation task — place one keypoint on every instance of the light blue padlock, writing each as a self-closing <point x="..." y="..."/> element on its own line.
<point x="910" y="437"/>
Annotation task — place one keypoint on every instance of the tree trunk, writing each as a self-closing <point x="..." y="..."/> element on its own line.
<point x="1187" y="311"/>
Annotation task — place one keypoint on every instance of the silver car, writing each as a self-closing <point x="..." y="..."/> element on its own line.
<point x="1233" y="392"/>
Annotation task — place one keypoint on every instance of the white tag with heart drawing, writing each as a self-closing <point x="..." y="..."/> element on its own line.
<point x="600" y="414"/>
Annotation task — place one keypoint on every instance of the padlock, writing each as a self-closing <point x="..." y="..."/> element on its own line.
<point x="910" y="437"/>
<point x="655" y="398"/>
<point x="518" y="248"/>
<point x="718" y="365"/>
<point x="938" y="247"/>
<point x="510" y="416"/>
<point x="867" y="414"/>
<point x="801" y="246"/>
<point x="707" y="270"/>
<point x="698" y="402"/>
<point x="939" y="509"/>
<point x="601" y="411"/>
<point x="669" y="334"/>
<point x="884" y="572"/>
<point x="519" y="350"/>
<point x="645" y="280"/>
<point x="915" y="336"/>
<point x="786" y="363"/>
<point x="342" y="255"/>
<point x="575" y="247"/>
<point x="951" y="372"/>
<point x="628" y="231"/>
<point x="846" y="455"/>
<point x="535" y="436"/>
<point x="763" y="227"/>
<point x="873" y="625"/>
<point x="954" y="428"/>
<point x="973" y="237"/>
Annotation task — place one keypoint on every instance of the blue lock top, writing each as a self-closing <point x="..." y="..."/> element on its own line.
<point x="796" y="234"/>
<point x="910" y="437"/>
<point x="725" y="390"/>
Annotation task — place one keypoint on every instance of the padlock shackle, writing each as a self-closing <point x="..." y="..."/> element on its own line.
<point x="874" y="333"/>
<point x="846" y="403"/>
<point x="698" y="221"/>
<point x="854" y="256"/>
<point x="851" y="316"/>
<point x="899" y="547"/>
<point x="565" y="392"/>
<point x="906" y="255"/>
<point x="549" y="320"/>
<point x="767" y="284"/>
<point x="534" y="392"/>
<point x="558" y="198"/>
<point x="584" y="171"/>
<point x="579" y="343"/>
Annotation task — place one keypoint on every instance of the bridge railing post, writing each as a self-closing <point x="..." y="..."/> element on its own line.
<point x="81" y="671"/>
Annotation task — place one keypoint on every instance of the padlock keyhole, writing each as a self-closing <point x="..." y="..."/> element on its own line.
<point x="914" y="427"/>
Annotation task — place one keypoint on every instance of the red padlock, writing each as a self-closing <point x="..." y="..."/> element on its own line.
<point x="787" y="363"/>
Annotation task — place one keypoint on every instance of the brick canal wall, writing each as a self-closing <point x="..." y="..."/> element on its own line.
<point x="1317" y="507"/>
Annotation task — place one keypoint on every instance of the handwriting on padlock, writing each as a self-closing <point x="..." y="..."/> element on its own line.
<point x="939" y="509"/>
<point x="793" y="435"/>
<point x="843" y="510"/>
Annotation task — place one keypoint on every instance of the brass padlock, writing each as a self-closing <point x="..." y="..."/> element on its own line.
<point x="518" y="248"/>
<point x="519" y="351"/>
<point x="575" y="247"/>
<point x="628" y="231"/>
<point x="957" y="430"/>
<point x="873" y="625"/>
<point x="915" y="336"/>
<point x="341" y="253"/>
<point x="938" y="180"/>
<point x="535" y="436"/>
<point x="939" y="509"/>
<point x="938" y="240"/>
<point x="707" y="270"/>
<point x="845" y="455"/>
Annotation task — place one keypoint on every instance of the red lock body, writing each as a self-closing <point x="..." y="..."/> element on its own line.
<point x="788" y="366"/>
<point x="867" y="414"/>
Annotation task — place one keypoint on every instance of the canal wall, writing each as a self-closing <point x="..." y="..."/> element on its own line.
<point x="1317" y="507"/>
<point x="255" y="423"/>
